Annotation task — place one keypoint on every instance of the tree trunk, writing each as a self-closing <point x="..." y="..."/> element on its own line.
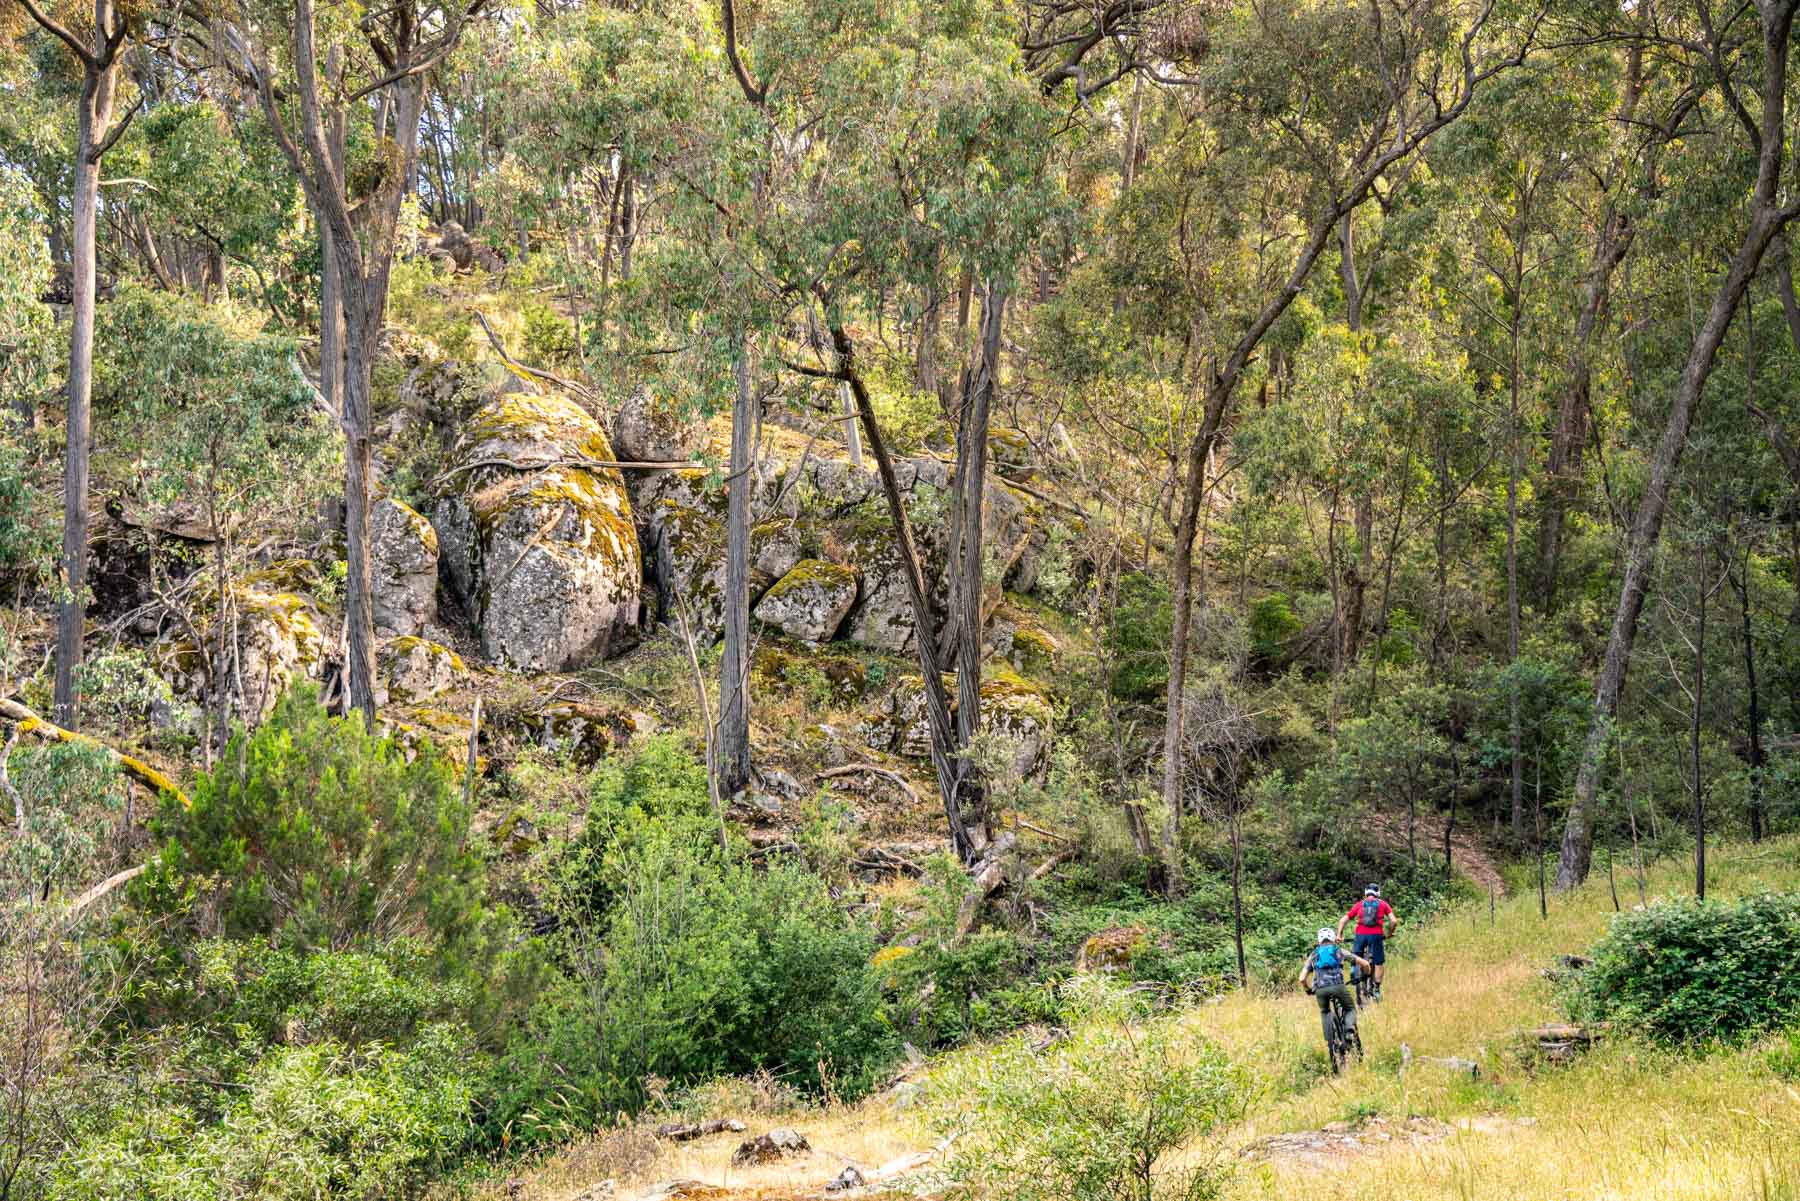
<point x="733" y="743"/>
<point x="1646" y="531"/>
<point x="359" y="610"/>
<point x="1356" y="578"/>
<point x="95" y="115"/>
<point x="1767" y="220"/>
<point x="1753" y="699"/>
<point x="967" y="587"/>
<point x="946" y="762"/>
<point x="1699" y="792"/>
<point x="1514" y="722"/>
<point x="1237" y="896"/>
<point x="1568" y="438"/>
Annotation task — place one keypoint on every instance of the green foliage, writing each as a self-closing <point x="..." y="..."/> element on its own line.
<point x="1784" y="1056"/>
<point x="1139" y="637"/>
<point x="215" y="409"/>
<point x="1695" y="971"/>
<point x="1094" y="1117"/>
<point x="1272" y="623"/>
<point x="314" y="1121"/>
<point x="27" y="335"/>
<point x="313" y="833"/>
<point x="688" y="963"/>
<point x="549" y="336"/>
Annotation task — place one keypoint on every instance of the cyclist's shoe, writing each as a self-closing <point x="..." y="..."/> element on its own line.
<point x="1376" y="994"/>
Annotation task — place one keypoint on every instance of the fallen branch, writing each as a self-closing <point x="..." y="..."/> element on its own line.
<point x="1051" y="864"/>
<point x="851" y="769"/>
<point x="28" y="722"/>
<point x="989" y="874"/>
<point x="682" y="1132"/>
<point x="1064" y="505"/>
<point x="529" y="374"/>
<point x="1052" y="835"/>
<point x="101" y="889"/>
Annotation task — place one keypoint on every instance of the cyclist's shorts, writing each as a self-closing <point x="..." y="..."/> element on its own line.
<point x="1370" y="947"/>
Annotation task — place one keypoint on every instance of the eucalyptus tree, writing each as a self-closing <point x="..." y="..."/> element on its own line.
<point x="99" y="50"/>
<point x="1746" y="57"/>
<point x="812" y="160"/>
<point x="1337" y="99"/>
<point x="313" y="80"/>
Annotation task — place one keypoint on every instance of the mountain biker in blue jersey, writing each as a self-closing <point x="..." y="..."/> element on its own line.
<point x="1374" y="920"/>
<point x="1326" y="965"/>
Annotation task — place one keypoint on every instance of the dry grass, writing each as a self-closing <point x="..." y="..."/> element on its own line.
<point x="868" y="1135"/>
<point x="1625" y="1121"/>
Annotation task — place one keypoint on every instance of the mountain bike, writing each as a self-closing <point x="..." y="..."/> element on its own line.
<point x="1344" y="1039"/>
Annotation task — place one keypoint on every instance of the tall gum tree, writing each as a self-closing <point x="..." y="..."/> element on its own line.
<point x="99" y="54"/>
<point x="1351" y="95"/>
<point x="310" y="87"/>
<point x="1749" y="67"/>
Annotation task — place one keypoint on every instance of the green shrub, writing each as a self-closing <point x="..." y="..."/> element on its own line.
<point x="315" y="834"/>
<point x="1784" y="1056"/>
<point x="1693" y="971"/>
<point x="685" y="963"/>
<point x="1139" y="637"/>
<point x="1094" y="1117"/>
<point x="310" y="1122"/>
<point x="1272" y="622"/>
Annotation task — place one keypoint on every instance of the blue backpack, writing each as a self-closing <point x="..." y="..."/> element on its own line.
<point x="1328" y="966"/>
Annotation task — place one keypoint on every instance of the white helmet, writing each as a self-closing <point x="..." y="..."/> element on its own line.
<point x="1327" y="934"/>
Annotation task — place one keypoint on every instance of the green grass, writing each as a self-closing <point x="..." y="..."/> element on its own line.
<point x="1627" y="1120"/>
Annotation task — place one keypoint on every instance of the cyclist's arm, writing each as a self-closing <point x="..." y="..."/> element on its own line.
<point x="1342" y="922"/>
<point x="1361" y="962"/>
<point x="1305" y="971"/>
<point x="1393" y="922"/>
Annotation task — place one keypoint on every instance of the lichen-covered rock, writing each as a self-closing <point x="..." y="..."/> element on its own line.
<point x="413" y="726"/>
<point x="1112" y="949"/>
<point x="688" y="545"/>
<point x="650" y="428"/>
<point x="586" y="733"/>
<point x="884" y="619"/>
<point x="279" y="644"/>
<point x="403" y="566"/>
<point x="810" y="601"/>
<point x="1019" y="715"/>
<point x="411" y="669"/>
<point x="538" y="543"/>
<point x="1016" y="713"/>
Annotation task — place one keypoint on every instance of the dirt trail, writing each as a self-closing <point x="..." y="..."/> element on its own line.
<point x="1339" y="1141"/>
<point x="1468" y="853"/>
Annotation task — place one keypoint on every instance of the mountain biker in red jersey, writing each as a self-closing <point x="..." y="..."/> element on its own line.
<point x="1374" y="920"/>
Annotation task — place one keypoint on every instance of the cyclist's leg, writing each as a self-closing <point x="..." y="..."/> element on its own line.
<point x="1377" y="955"/>
<point x="1323" y="996"/>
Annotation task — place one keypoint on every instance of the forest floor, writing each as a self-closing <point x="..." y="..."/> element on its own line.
<point x="1624" y="1120"/>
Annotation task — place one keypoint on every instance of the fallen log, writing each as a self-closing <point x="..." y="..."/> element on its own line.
<point x="28" y="722"/>
<point x="683" y="1132"/>
<point x="989" y="874"/>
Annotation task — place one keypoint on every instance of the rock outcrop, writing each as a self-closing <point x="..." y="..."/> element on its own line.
<point x="536" y="540"/>
<point x="1015" y="712"/>
<point x="403" y="563"/>
<point x="810" y="601"/>
<point x="279" y="644"/>
<point x="411" y="669"/>
<point x="650" y="429"/>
